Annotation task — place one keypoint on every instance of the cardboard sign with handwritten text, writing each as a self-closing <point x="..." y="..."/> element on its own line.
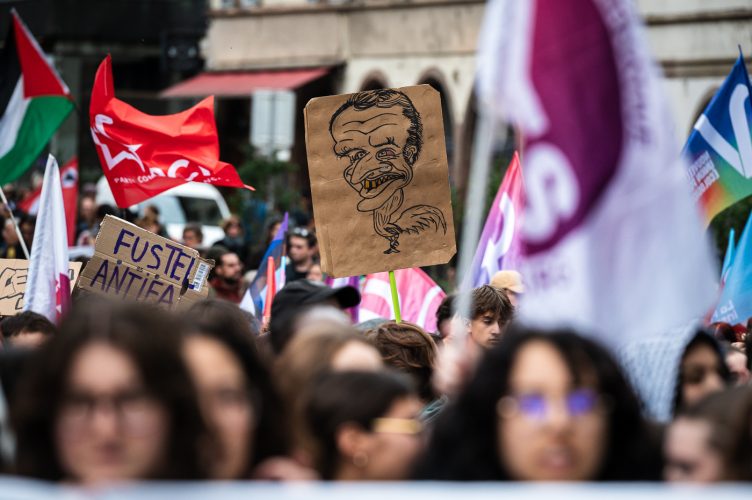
<point x="13" y="276"/>
<point x="379" y="180"/>
<point x="134" y="264"/>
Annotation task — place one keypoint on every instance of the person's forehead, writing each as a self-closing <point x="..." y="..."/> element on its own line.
<point x="298" y="240"/>
<point x="230" y="258"/>
<point x="368" y="121"/>
<point x="487" y="314"/>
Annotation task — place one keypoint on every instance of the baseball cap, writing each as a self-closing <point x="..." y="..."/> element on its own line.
<point x="511" y="280"/>
<point x="306" y="292"/>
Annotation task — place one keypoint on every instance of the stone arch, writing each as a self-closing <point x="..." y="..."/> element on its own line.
<point x="374" y="80"/>
<point x="435" y="79"/>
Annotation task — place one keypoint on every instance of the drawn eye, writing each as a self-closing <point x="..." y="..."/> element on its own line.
<point x="386" y="153"/>
<point x="356" y="156"/>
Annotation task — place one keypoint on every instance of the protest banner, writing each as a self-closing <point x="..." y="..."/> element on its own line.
<point x="379" y="180"/>
<point x="14" y="274"/>
<point x="134" y="264"/>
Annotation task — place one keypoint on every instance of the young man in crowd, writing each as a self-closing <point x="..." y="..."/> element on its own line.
<point x="301" y="249"/>
<point x="227" y="276"/>
<point x="490" y="314"/>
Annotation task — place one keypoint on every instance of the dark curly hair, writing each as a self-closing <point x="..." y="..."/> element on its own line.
<point x="151" y="339"/>
<point x="464" y="443"/>
<point x="223" y="321"/>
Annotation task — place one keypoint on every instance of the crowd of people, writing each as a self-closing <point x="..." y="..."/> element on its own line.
<point x="127" y="392"/>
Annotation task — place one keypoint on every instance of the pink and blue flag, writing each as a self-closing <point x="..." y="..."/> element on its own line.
<point x="499" y="245"/>
<point x="255" y="297"/>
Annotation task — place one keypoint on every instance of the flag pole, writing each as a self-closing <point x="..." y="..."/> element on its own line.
<point x="15" y="224"/>
<point x="395" y="298"/>
<point x="473" y="216"/>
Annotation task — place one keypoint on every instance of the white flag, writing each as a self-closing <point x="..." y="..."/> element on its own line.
<point x="48" y="288"/>
<point x="612" y="241"/>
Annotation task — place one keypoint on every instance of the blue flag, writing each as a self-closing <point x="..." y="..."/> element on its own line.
<point x="719" y="150"/>
<point x="735" y="304"/>
<point x="728" y="259"/>
<point x="253" y="300"/>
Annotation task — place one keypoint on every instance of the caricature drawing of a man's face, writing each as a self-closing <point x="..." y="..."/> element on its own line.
<point x="378" y="135"/>
<point x="376" y="143"/>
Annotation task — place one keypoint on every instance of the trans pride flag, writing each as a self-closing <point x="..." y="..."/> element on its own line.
<point x="254" y="300"/>
<point x="719" y="150"/>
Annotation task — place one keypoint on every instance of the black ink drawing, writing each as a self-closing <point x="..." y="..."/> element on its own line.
<point x="13" y="287"/>
<point x="381" y="135"/>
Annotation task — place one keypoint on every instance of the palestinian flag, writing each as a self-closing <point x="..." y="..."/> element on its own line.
<point x="34" y="101"/>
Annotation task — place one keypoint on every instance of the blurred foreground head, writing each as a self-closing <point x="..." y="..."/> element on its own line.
<point x="109" y="399"/>
<point x="234" y="388"/>
<point x="367" y="426"/>
<point x="543" y="406"/>
<point x="711" y="440"/>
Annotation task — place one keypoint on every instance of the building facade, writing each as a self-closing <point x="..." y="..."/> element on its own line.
<point x="367" y="44"/>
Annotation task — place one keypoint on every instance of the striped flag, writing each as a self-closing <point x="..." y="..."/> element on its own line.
<point x="34" y="101"/>
<point x="419" y="297"/>
<point x="255" y="297"/>
<point x="49" y="288"/>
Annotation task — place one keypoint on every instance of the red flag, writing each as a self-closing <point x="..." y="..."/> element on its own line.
<point x="69" y="181"/>
<point x="419" y="297"/>
<point x="30" y="203"/>
<point x="143" y="155"/>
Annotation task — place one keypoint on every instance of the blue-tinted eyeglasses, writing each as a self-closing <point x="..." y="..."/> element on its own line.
<point x="536" y="406"/>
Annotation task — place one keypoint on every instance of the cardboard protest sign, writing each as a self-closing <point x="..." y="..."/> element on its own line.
<point x="13" y="277"/>
<point x="379" y="180"/>
<point x="134" y="264"/>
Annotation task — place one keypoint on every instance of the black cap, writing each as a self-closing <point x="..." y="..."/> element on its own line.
<point x="306" y="292"/>
<point x="296" y="297"/>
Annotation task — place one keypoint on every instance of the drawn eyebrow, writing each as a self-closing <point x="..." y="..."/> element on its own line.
<point x="372" y="118"/>
<point x="372" y="130"/>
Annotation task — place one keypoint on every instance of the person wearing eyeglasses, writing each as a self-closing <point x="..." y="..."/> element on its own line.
<point x="543" y="406"/>
<point x="301" y="250"/>
<point x="109" y="400"/>
<point x="366" y="426"/>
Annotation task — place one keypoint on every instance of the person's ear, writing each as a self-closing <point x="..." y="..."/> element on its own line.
<point x="352" y="441"/>
<point x="411" y="153"/>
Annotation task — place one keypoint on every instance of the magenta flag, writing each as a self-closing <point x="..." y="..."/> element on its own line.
<point x="613" y="244"/>
<point x="419" y="297"/>
<point x="499" y="246"/>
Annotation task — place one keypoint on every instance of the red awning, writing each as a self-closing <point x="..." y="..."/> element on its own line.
<point x="243" y="84"/>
